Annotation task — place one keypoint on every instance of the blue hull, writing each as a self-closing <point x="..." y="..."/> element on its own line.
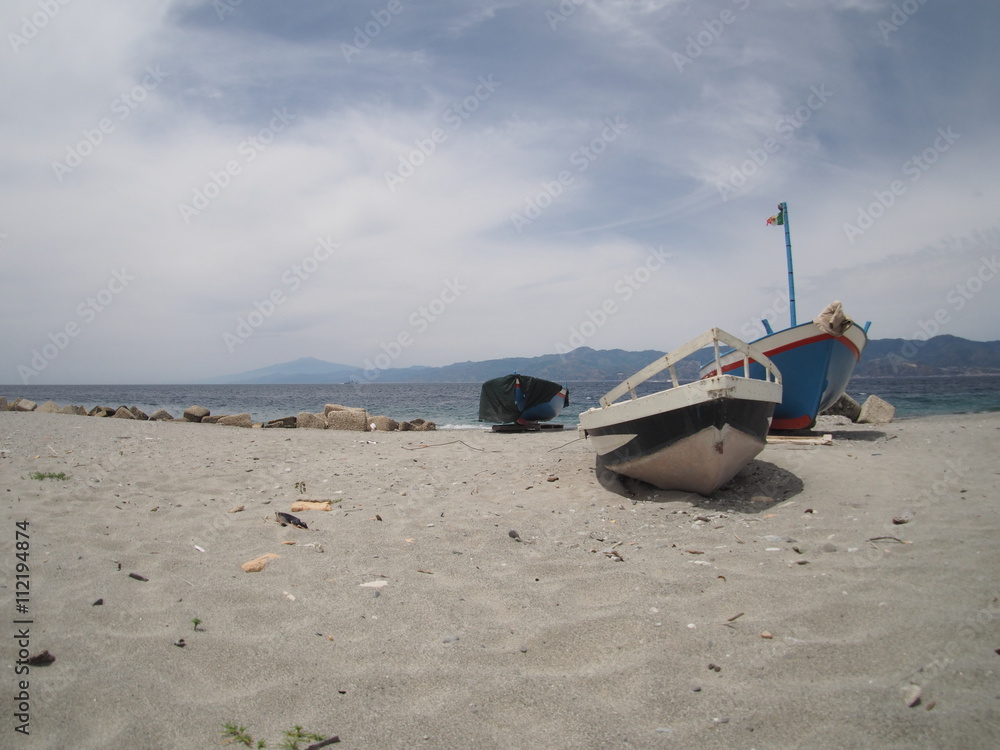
<point x="815" y="369"/>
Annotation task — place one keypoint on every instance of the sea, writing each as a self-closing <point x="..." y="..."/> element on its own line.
<point x="455" y="406"/>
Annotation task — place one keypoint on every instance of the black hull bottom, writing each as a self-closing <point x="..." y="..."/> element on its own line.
<point x="657" y="432"/>
<point x="695" y="448"/>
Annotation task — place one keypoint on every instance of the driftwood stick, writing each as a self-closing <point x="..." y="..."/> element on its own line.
<point x="886" y="538"/>
<point x="317" y="745"/>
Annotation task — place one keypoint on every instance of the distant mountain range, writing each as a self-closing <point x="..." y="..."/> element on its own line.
<point x="940" y="355"/>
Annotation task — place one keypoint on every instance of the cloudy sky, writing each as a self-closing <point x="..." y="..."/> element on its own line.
<point x="193" y="188"/>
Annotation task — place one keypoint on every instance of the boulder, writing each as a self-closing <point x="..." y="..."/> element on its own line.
<point x="138" y="413"/>
<point x="49" y="407"/>
<point x="237" y="420"/>
<point x="406" y="426"/>
<point x="4" y="406"/>
<point x="422" y="425"/>
<point x="845" y="406"/>
<point x="347" y="419"/>
<point x="384" y="424"/>
<point x="123" y="412"/>
<point x="283" y="422"/>
<point x="310" y="421"/>
<point x="212" y="418"/>
<point x="161" y="415"/>
<point x="101" y="411"/>
<point x="73" y="409"/>
<point x="23" y="404"/>
<point x="876" y="411"/>
<point x="196" y="413"/>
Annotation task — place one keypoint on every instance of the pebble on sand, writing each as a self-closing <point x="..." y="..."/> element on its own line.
<point x="257" y="564"/>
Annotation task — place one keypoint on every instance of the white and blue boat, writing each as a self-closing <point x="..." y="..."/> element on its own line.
<point x="816" y="359"/>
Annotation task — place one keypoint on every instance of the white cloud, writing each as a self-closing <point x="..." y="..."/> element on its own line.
<point x="416" y="155"/>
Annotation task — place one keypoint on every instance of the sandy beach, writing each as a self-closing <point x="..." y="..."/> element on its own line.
<point x="479" y="590"/>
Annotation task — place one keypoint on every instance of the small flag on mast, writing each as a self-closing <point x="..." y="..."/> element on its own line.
<point x="777" y="220"/>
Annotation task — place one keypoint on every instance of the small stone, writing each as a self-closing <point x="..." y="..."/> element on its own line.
<point x="137" y="577"/>
<point x="514" y="535"/>
<point x="98" y="603"/>
<point x="237" y="509"/>
<point x="904" y="517"/>
<point x="829" y="547"/>
<point x="696" y="689"/>
<point x="766" y="635"/>
<point x="257" y="564"/>
<point x="912" y="695"/>
<point x="180" y="642"/>
<point x="42" y="659"/>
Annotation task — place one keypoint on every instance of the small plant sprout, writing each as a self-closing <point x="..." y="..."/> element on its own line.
<point x="301" y="487"/>
<point x="50" y="475"/>
<point x="292" y="737"/>
<point x="235" y="733"/>
<point x="196" y="622"/>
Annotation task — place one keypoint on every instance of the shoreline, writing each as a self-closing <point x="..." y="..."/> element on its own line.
<point x="595" y="626"/>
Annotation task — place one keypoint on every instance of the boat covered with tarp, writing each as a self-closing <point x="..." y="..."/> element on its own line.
<point x="521" y="400"/>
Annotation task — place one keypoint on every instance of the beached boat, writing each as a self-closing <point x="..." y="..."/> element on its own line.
<point x="816" y="359"/>
<point x="521" y="402"/>
<point x="695" y="436"/>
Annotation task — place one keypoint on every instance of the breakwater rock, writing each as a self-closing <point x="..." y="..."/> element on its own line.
<point x="333" y="417"/>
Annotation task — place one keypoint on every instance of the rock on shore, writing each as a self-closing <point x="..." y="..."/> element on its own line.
<point x="333" y="416"/>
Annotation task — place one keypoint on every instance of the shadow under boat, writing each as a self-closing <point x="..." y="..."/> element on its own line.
<point x="757" y="487"/>
<point x="693" y="437"/>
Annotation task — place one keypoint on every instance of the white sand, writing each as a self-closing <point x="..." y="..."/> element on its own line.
<point x="478" y="640"/>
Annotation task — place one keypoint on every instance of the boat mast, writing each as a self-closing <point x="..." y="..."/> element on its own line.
<point x="783" y="208"/>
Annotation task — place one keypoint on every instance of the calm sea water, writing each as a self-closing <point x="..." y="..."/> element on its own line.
<point x="456" y="405"/>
